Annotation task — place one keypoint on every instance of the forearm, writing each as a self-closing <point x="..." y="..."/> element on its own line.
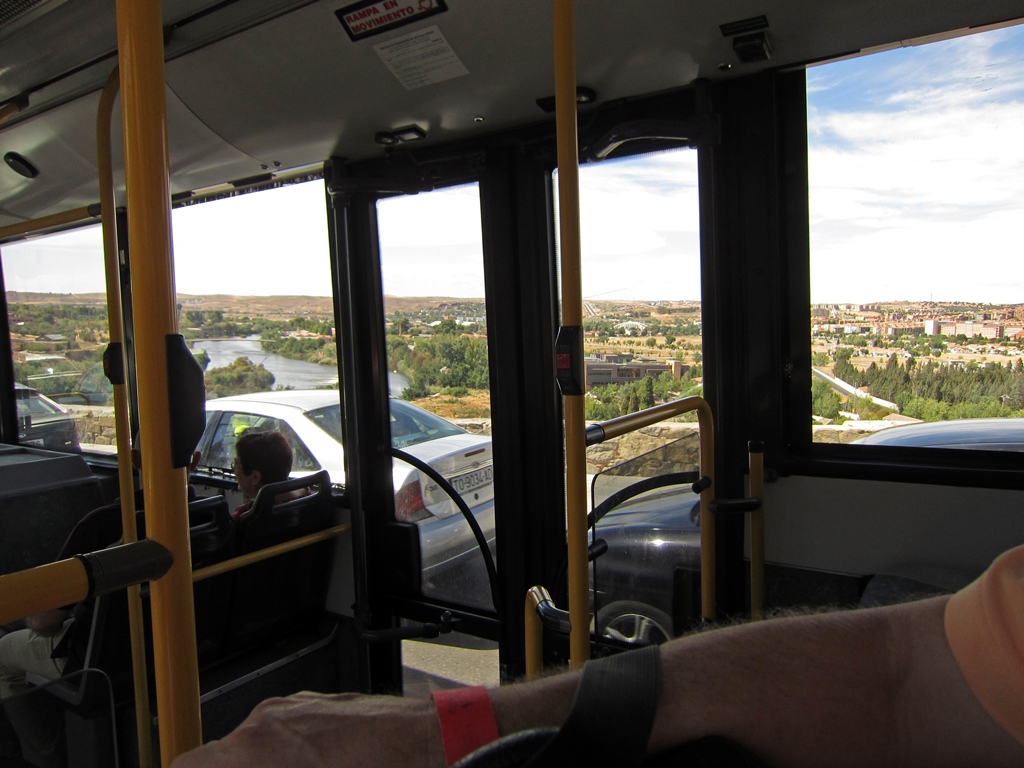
<point x="876" y="687"/>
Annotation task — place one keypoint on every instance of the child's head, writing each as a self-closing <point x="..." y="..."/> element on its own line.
<point x="261" y="458"/>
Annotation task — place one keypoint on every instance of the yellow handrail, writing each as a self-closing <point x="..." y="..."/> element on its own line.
<point x="534" y="632"/>
<point x="605" y="431"/>
<point x="143" y="107"/>
<point x="572" y="313"/>
<point x="42" y="588"/>
<point x="649" y="416"/>
<point x="263" y="554"/>
<point x="122" y="429"/>
<point x="44" y="223"/>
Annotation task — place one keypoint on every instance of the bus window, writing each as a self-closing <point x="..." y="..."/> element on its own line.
<point x="640" y="271"/>
<point x="640" y="265"/>
<point x="916" y="197"/>
<point x="57" y="309"/>
<point x="253" y="283"/>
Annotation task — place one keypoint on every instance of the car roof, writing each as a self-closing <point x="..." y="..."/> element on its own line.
<point x="994" y="434"/>
<point x="305" y="400"/>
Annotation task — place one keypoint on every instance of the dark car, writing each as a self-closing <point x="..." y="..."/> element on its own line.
<point x="650" y="569"/>
<point x="963" y="434"/>
<point x="42" y="423"/>
<point x="647" y="582"/>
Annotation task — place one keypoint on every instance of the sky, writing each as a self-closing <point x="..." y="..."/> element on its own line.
<point x="916" y="166"/>
<point x="916" y="163"/>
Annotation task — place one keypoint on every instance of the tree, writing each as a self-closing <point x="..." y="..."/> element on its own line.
<point x="195" y="318"/>
<point x="238" y="378"/>
<point x="447" y="327"/>
<point x="824" y="400"/>
<point x="646" y="395"/>
<point x="632" y="401"/>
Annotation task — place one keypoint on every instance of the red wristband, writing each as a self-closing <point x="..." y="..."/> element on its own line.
<point x="467" y="720"/>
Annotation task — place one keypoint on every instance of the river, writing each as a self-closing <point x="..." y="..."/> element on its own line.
<point x="297" y="374"/>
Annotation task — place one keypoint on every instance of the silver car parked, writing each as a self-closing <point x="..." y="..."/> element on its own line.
<point x="311" y="420"/>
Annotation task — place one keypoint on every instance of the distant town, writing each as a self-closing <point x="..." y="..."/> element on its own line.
<point x="915" y="319"/>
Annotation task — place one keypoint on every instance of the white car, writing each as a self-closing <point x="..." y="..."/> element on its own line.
<point x="311" y="420"/>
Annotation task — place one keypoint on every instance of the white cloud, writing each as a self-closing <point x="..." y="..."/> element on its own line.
<point x="921" y="194"/>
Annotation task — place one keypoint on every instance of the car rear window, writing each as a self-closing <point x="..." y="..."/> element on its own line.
<point x="409" y="425"/>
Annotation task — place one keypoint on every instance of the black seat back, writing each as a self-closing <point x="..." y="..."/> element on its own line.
<point x="212" y="540"/>
<point x="285" y="594"/>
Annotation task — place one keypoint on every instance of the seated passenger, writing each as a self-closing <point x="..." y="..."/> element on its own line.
<point x="54" y="642"/>
<point x="262" y="458"/>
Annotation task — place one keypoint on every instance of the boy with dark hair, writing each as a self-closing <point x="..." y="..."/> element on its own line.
<point x="262" y="458"/>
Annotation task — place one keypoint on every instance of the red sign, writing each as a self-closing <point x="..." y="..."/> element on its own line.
<point x="371" y="17"/>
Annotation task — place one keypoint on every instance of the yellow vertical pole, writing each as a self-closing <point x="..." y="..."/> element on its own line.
<point x="143" y="107"/>
<point x="534" y="632"/>
<point x="572" y="316"/>
<point x="115" y="322"/>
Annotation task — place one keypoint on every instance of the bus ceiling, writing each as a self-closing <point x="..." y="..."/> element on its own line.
<point x="263" y="86"/>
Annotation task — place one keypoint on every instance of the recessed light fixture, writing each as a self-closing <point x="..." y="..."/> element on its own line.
<point x="400" y="135"/>
<point x="21" y="165"/>
<point x="753" y="47"/>
<point x="584" y="95"/>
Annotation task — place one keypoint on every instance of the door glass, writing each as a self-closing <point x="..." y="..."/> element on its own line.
<point x="640" y="272"/>
<point x="435" y="318"/>
<point x="432" y="271"/>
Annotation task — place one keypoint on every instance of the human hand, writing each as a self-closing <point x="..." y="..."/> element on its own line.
<point x="47" y="623"/>
<point x="311" y="730"/>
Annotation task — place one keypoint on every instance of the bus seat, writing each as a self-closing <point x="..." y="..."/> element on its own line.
<point x="43" y="495"/>
<point x="212" y="540"/>
<point x="106" y="678"/>
<point x="93" y="696"/>
<point x="909" y="582"/>
<point x="284" y="595"/>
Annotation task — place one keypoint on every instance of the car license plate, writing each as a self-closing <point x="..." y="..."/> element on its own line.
<point x="472" y="480"/>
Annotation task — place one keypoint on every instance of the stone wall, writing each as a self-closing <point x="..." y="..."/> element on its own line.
<point x="94" y="424"/>
<point x="681" y="443"/>
<point x="672" y="447"/>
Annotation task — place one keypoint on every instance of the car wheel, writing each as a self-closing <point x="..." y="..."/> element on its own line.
<point x="633" y="622"/>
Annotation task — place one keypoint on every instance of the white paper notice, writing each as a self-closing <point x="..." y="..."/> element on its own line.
<point x="421" y="58"/>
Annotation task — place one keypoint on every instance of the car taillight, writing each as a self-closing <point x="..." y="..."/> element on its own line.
<point x="409" y="506"/>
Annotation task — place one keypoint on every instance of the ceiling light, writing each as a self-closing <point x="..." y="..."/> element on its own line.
<point x="400" y="135"/>
<point x="20" y="165"/>
<point x="753" y="47"/>
<point x="584" y="95"/>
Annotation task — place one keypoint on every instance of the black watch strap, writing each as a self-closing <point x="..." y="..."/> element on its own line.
<point x="612" y="714"/>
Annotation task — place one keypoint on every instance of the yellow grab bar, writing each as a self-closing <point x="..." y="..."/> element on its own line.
<point x="572" y="313"/>
<point x="122" y="429"/>
<point x="143" y="108"/>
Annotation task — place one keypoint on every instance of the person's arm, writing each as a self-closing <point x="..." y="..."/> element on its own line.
<point x="873" y="687"/>
<point x="47" y="623"/>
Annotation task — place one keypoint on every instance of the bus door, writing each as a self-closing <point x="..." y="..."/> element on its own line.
<point x="445" y="299"/>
